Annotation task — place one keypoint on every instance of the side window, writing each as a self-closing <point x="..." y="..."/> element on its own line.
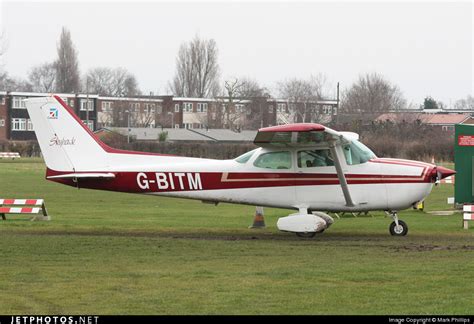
<point x="274" y="160"/>
<point x="315" y="158"/>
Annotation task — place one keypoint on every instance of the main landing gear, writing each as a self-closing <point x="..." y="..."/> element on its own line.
<point x="397" y="227"/>
<point x="305" y="224"/>
<point x="307" y="234"/>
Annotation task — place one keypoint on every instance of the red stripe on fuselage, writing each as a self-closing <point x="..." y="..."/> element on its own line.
<point x="187" y="181"/>
<point x="402" y="162"/>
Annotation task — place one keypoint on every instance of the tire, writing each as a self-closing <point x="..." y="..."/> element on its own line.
<point x="402" y="230"/>
<point x="306" y="234"/>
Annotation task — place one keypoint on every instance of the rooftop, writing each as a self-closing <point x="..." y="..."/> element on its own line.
<point x="433" y="119"/>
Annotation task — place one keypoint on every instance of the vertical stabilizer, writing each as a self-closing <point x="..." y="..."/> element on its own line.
<point x="66" y="143"/>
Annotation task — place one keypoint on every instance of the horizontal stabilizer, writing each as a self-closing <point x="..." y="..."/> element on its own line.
<point x="83" y="176"/>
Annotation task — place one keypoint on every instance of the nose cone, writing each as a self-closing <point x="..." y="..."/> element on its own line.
<point x="443" y="172"/>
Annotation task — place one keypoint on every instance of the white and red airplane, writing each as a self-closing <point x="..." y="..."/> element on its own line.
<point x="307" y="167"/>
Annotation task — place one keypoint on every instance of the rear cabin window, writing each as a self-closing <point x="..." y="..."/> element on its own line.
<point x="315" y="158"/>
<point x="274" y="160"/>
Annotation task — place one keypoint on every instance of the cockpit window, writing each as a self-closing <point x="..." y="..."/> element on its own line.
<point x="245" y="157"/>
<point x="315" y="158"/>
<point x="274" y="160"/>
<point x="357" y="153"/>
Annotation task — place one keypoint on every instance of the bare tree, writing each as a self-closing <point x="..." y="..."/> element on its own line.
<point x="6" y="81"/>
<point x="99" y="80"/>
<point x="14" y="84"/>
<point x="233" y="109"/>
<point x="121" y="114"/>
<point x="465" y="104"/>
<point x="3" y="73"/>
<point x="125" y="83"/>
<point x="144" y="118"/>
<point x="302" y="96"/>
<point x="319" y="85"/>
<point x="3" y="44"/>
<point x="250" y="88"/>
<point x="197" y="70"/>
<point x="116" y="82"/>
<point x="237" y="106"/>
<point x="42" y="77"/>
<point x="67" y="65"/>
<point x="372" y="93"/>
<point x="20" y="84"/>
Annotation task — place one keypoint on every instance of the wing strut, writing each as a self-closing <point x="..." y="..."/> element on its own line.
<point x="340" y="175"/>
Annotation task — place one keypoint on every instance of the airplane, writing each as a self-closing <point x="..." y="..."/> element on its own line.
<point x="306" y="167"/>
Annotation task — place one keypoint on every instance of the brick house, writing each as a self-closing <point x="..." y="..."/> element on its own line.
<point x="4" y="124"/>
<point x="164" y="112"/>
<point x="18" y="125"/>
<point x="444" y="121"/>
<point x="133" y="112"/>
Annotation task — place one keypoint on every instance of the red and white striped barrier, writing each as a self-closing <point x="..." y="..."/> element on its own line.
<point x="468" y="215"/>
<point x="450" y="179"/>
<point x="19" y="210"/>
<point x="28" y="202"/>
<point x="12" y="155"/>
<point x="8" y="209"/>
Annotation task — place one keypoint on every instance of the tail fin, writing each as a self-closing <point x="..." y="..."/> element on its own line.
<point x="66" y="143"/>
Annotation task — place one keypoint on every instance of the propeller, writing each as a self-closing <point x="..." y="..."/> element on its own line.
<point x="440" y="172"/>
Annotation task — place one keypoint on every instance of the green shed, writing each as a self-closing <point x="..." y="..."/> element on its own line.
<point x="464" y="163"/>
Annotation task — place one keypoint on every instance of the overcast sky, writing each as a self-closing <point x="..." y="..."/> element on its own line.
<point x="425" y="48"/>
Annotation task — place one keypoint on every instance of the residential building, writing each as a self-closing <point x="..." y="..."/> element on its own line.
<point x="445" y="121"/>
<point x="4" y="124"/>
<point x="191" y="112"/>
<point x="166" y="111"/>
<point x="133" y="112"/>
<point x="318" y="111"/>
<point x="18" y="125"/>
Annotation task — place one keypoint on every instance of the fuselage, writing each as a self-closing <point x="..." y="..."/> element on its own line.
<point x="287" y="177"/>
<point x="304" y="166"/>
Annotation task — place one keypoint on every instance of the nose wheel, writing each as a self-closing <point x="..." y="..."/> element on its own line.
<point x="397" y="227"/>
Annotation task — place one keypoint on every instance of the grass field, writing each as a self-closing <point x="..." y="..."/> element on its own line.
<point x="113" y="253"/>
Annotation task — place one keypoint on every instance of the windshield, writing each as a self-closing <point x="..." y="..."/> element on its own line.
<point x="245" y="157"/>
<point x="357" y="153"/>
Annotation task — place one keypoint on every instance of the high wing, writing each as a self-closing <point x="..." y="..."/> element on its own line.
<point x="303" y="134"/>
<point x="308" y="134"/>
